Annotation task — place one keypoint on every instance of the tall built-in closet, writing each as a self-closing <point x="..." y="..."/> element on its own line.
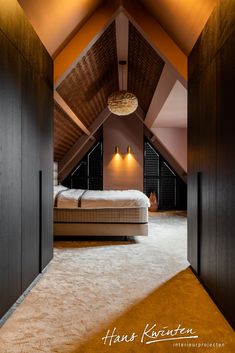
<point x="211" y="157"/>
<point x="26" y="154"/>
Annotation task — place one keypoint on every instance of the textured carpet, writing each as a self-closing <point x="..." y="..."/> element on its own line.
<point x="91" y="287"/>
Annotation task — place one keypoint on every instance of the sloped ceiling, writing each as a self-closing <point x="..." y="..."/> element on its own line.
<point x="66" y="133"/>
<point x="174" y="110"/>
<point x="160" y="35"/>
<point x="94" y="78"/>
<point x="87" y="87"/>
<point x="144" y="68"/>
<point x="55" y="21"/>
<point x="183" y="20"/>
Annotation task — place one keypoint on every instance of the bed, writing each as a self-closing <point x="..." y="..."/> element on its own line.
<point x="100" y="213"/>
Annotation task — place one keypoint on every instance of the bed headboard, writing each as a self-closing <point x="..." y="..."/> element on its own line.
<point x="55" y="173"/>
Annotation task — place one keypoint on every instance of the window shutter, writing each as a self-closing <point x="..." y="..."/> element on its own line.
<point x="161" y="178"/>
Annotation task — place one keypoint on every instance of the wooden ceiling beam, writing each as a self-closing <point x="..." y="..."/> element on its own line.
<point x="140" y="113"/>
<point x="122" y="39"/>
<point x="162" y="91"/>
<point x="156" y="36"/>
<point x="67" y="163"/>
<point x="71" y="114"/>
<point x="83" y="40"/>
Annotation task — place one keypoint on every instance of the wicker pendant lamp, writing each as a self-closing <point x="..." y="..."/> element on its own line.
<point x="122" y="102"/>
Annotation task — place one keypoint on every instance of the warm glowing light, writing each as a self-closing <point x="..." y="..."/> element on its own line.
<point x="128" y="149"/>
<point x="117" y="157"/>
<point x="116" y="150"/>
<point x="130" y="160"/>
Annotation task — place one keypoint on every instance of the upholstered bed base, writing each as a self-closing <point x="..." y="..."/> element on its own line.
<point x="100" y="229"/>
<point x="101" y="222"/>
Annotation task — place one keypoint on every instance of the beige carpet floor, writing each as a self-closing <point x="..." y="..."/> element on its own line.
<point x="92" y="287"/>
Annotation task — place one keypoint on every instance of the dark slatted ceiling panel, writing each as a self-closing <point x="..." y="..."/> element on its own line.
<point x="89" y="84"/>
<point x="144" y="68"/>
<point x="66" y="133"/>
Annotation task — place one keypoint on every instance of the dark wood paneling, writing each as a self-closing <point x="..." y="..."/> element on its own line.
<point x="219" y="27"/>
<point x="211" y="112"/>
<point x="46" y="167"/>
<point x="25" y="147"/>
<point x="10" y="175"/>
<point x="19" y="31"/>
<point x="30" y="181"/>
<point x="226" y="18"/>
<point x="194" y="168"/>
<point x="226" y="177"/>
<point x="205" y="48"/>
<point x="207" y="197"/>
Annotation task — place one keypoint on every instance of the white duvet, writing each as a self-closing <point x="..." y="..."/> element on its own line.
<point x="114" y="198"/>
<point x="58" y="189"/>
<point x="73" y="198"/>
<point x="69" y="198"/>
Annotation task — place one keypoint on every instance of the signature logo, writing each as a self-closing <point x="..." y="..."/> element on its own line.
<point x="150" y="334"/>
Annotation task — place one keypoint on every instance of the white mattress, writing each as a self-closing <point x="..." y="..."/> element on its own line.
<point x="90" y="199"/>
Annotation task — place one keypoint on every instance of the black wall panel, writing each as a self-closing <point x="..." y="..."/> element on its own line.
<point x="30" y="180"/>
<point x="25" y="150"/>
<point x="193" y="175"/>
<point x="226" y="177"/>
<point x="207" y="179"/>
<point x="211" y="156"/>
<point x="46" y="167"/>
<point x="10" y="175"/>
<point x="16" y="27"/>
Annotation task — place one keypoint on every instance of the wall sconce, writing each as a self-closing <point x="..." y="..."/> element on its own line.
<point x="116" y="150"/>
<point x="128" y="149"/>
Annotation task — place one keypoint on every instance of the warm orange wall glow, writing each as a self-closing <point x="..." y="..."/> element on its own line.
<point x="123" y="170"/>
<point x="117" y="159"/>
<point x="128" y="160"/>
<point x="123" y="166"/>
<point x="131" y="164"/>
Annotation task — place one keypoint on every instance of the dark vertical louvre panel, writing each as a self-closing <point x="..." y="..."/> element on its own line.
<point x="167" y="197"/>
<point x="160" y="178"/>
<point x="95" y="168"/>
<point x="88" y="174"/>
<point x="79" y="177"/>
<point x="152" y="161"/>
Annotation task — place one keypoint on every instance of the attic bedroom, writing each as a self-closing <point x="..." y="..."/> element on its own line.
<point x="116" y="167"/>
<point x="103" y="150"/>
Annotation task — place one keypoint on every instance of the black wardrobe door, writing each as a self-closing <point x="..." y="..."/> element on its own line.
<point x="30" y="177"/>
<point x="194" y="168"/>
<point x="10" y="174"/>
<point x="207" y="141"/>
<point x="226" y="178"/>
<point x="46" y="166"/>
